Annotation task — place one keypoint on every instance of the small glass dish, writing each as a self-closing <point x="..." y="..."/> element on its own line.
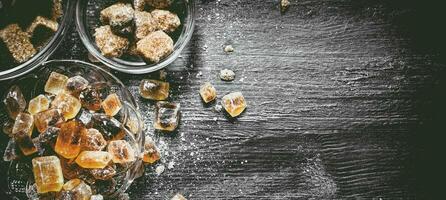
<point x="20" y="176"/>
<point x="87" y="19"/>
<point x="15" y="70"/>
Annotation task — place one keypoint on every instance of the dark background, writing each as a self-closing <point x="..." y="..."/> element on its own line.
<point x="345" y="101"/>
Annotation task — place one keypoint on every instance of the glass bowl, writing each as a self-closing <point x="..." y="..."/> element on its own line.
<point x="15" y="70"/>
<point x="87" y="19"/>
<point x="19" y="176"/>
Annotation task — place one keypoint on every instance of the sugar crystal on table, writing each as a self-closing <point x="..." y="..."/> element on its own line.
<point x="38" y="104"/>
<point x="109" y="44"/>
<point x="167" y="116"/>
<point x="153" y="89"/>
<point x="92" y="140"/>
<point x="121" y="151"/>
<point x="47" y="118"/>
<point x="91" y="98"/>
<point x="56" y="83"/>
<point x="47" y="174"/>
<point x="111" y="104"/>
<point x="68" y="142"/>
<point x="75" y="85"/>
<point x="14" y="101"/>
<point x="93" y="159"/>
<point x="18" y="43"/>
<point x="178" y="197"/>
<point x="110" y="127"/>
<point x="151" y="153"/>
<point x="68" y="104"/>
<point x="155" y="46"/>
<point x="159" y="3"/>
<point x="234" y="103"/>
<point x="104" y="174"/>
<point x="208" y="92"/>
<point x="11" y="152"/>
<point x="120" y="17"/>
<point x="167" y="21"/>
<point x="25" y="143"/>
<point x="24" y="122"/>
<point x="145" y="23"/>
<point x="79" y="189"/>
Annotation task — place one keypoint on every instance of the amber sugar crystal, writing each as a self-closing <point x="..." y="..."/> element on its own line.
<point x="92" y="140"/>
<point x="25" y="143"/>
<point x="68" y="143"/>
<point x="151" y="153"/>
<point x="47" y="118"/>
<point x="167" y="116"/>
<point x="24" y="122"/>
<point x="68" y="104"/>
<point x="234" y="103"/>
<point x="121" y="151"/>
<point x="208" y="92"/>
<point x="93" y="159"/>
<point x="47" y="174"/>
<point x="38" y="104"/>
<point x="111" y="105"/>
<point x="78" y="189"/>
<point x="55" y="83"/>
<point x="153" y="89"/>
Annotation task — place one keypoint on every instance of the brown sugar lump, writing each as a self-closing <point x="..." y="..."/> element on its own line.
<point x="110" y="45"/>
<point x="18" y="43"/>
<point x="159" y="3"/>
<point x="121" y="151"/>
<point x="145" y="24"/>
<point x="234" y="103"/>
<point x="68" y="104"/>
<point x="120" y="18"/>
<point x="167" y="21"/>
<point x="208" y="92"/>
<point x="155" y="46"/>
<point x="56" y="83"/>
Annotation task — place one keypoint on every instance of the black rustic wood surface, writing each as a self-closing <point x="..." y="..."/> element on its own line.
<point x="344" y="98"/>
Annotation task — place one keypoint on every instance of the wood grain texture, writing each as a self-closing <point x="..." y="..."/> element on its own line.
<point x="338" y="94"/>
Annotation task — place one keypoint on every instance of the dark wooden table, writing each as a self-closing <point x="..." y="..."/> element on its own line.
<point x="344" y="101"/>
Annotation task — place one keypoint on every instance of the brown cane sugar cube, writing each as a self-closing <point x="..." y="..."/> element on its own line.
<point x="25" y="143"/>
<point x="110" y="127"/>
<point x="155" y="46"/>
<point x="91" y="98"/>
<point x="38" y="104"/>
<point x="11" y="152"/>
<point x="47" y="174"/>
<point x="159" y="3"/>
<point x="78" y="189"/>
<point x="18" y="43"/>
<point x="42" y="21"/>
<point x="93" y="159"/>
<point x="151" y="153"/>
<point x="167" y="21"/>
<point x="14" y="101"/>
<point x="121" y="151"/>
<point x="24" y="122"/>
<point x="153" y="89"/>
<point x="68" y="104"/>
<point x="167" y="116"/>
<point x="47" y="118"/>
<point x="145" y="24"/>
<point x="139" y="5"/>
<point x="208" y="92"/>
<point x="75" y="85"/>
<point x="55" y="83"/>
<point x="120" y="18"/>
<point x="234" y="103"/>
<point x="178" y="197"/>
<point x="68" y="143"/>
<point x="92" y="140"/>
<point x="111" y="105"/>
<point x="109" y="44"/>
<point x="104" y="174"/>
<point x="56" y="10"/>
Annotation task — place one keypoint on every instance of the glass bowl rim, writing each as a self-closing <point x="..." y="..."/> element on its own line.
<point x="127" y="67"/>
<point x="47" y="51"/>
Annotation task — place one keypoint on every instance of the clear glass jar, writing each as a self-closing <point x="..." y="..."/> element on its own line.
<point x="20" y="176"/>
<point x="87" y="19"/>
<point x="48" y="49"/>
